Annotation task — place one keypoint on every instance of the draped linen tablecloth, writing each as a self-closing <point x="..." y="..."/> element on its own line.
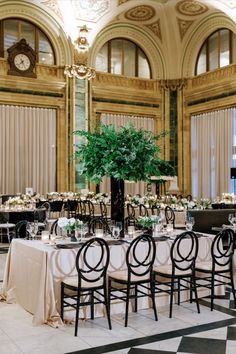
<point x="34" y="272"/>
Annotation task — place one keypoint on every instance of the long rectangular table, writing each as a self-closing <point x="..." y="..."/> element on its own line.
<point x="34" y="272"/>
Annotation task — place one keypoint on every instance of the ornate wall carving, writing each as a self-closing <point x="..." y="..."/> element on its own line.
<point x="53" y="5"/>
<point x="140" y="13"/>
<point x="155" y="27"/>
<point x="121" y="81"/>
<point x="183" y="26"/>
<point x="91" y="10"/>
<point x="191" y="7"/>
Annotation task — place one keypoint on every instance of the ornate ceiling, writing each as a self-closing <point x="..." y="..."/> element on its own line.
<point x="155" y="15"/>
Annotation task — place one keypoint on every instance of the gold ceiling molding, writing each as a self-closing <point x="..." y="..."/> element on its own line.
<point x="183" y="26"/>
<point x="191" y="7"/>
<point x="122" y="2"/>
<point x="172" y="85"/>
<point x="155" y="28"/>
<point x="140" y="13"/>
<point x="53" y="5"/>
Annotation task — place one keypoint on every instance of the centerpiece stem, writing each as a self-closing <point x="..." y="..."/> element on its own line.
<point x="117" y="202"/>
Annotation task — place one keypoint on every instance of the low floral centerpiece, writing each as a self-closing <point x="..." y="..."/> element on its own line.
<point x="148" y="222"/>
<point x="70" y="225"/>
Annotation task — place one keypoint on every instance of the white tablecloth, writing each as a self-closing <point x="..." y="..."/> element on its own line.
<point x="34" y="272"/>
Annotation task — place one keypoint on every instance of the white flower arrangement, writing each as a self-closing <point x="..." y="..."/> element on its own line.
<point x="149" y="221"/>
<point x="15" y="201"/>
<point x="69" y="224"/>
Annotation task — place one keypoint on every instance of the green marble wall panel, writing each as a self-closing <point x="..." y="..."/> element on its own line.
<point x="80" y="123"/>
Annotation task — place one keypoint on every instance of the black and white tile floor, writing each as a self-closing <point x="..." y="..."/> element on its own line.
<point x="210" y="332"/>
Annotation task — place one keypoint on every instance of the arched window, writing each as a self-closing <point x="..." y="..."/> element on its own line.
<point x="13" y="30"/>
<point x="218" y="50"/>
<point x="123" y="57"/>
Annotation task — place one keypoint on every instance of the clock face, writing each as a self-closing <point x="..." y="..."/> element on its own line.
<point x="22" y="62"/>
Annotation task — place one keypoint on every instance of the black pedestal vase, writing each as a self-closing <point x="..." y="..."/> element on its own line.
<point x="118" y="202"/>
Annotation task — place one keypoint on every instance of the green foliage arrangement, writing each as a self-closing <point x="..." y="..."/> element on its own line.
<point x="125" y="154"/>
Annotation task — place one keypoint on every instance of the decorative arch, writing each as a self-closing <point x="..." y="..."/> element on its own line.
<point x="195" y="40"/>
<point x="54" y="30"/>
<point x="137" y="35"/>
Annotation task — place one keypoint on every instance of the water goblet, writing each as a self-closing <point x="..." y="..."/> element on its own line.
<point x="189" y="223"/>
<point x="29" y="229"/>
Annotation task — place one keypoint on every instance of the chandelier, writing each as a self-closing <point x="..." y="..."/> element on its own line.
<point x="80" y="69"/>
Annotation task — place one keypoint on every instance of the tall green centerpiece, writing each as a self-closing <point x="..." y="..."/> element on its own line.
<point x="122" y="154"/>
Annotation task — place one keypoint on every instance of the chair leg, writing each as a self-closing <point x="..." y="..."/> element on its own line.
<point x="171" y="296"/>
<point x="135" y="298"/>
<point x="179" y="291"/>
<point x="212" y="289"/>
<point x="152" y="289"/>
<point x="62" y="298"/>
<point x="194" y="287"/>
<point x="77" y="314"/>
<point x="232" y="286"/>
<point x="92" y="305"/>
<point x="127" y="305"/>
<point x="107" y="306"/>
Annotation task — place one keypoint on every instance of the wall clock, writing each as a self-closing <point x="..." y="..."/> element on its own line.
<point x="21" y="59"/>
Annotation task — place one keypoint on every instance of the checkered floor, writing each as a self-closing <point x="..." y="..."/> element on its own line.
<point x="216" y="338"/>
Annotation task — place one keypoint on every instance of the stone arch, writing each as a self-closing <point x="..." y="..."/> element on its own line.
<point x="138" y="35"/>
<point x="50" y="26"/>
<point x="198" y="36"/>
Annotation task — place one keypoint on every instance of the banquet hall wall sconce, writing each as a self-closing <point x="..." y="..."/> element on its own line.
<point x="80" y="69"/>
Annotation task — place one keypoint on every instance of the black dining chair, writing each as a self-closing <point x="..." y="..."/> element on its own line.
<point x="130" y="219"/>
<point x="143" y="210"/>
<point x="72" y="206"/>
<point x="179" y="275"/>
<point x="219" y="270"/>
<point x="89" y="287"/>
<point x="20" y="229"/>
<point x="137" y="280"/>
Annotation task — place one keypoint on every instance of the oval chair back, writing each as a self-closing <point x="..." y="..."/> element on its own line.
<point x="140" y="256"/>
<point x="92" y="268"/>
<point x="184" y="251"/>
<point x="143" y="211"/>
<point x="222" y="249"/>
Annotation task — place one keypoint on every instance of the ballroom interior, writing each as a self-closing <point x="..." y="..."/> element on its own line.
<point x="161" y="65"/>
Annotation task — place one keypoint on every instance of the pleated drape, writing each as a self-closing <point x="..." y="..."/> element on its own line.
<point x="119" y="120"/>
<point x="212" y="136"/>
<point x="27" y="149"/>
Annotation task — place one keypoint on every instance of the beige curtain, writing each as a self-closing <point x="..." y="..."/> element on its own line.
<point x="119" y="120"/>
<point x="212" y="157"/>
<point x="27" y="149"/>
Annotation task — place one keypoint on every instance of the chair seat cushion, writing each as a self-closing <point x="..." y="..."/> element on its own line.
<point x="207" y="266"/>
<point x="73" y="281"/>
<point x="167" y="270"/>
<point x="122" y="275"/>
